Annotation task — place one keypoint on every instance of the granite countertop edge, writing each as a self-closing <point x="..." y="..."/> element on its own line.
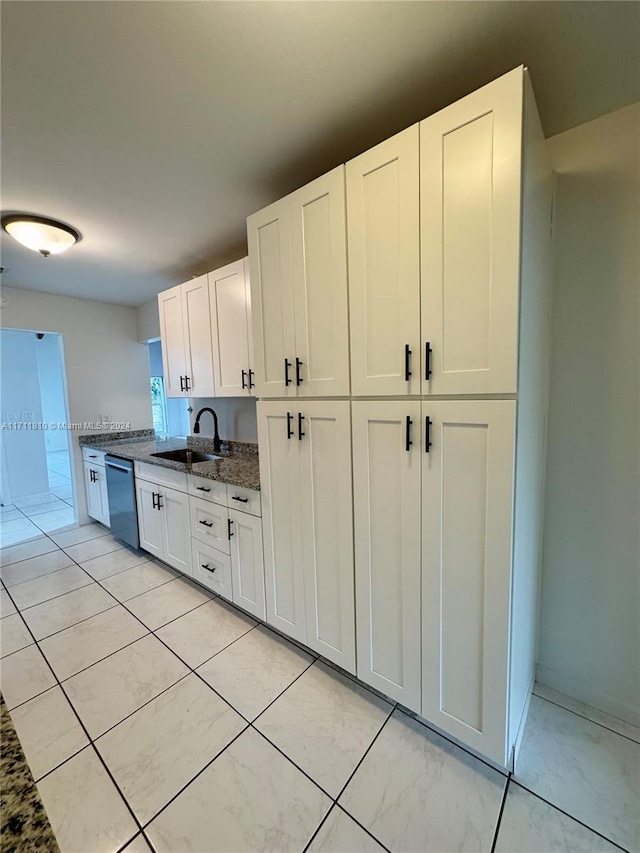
<point x="239" y="465"/>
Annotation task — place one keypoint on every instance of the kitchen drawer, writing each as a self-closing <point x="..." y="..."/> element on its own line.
<point x="209" y="490"/>
<point x="211" y="568"/>
<point x="246" y="500"/>
<point x="96" y="457"/>
<point x="161" y="476"/>
<point x="210" y="523"/>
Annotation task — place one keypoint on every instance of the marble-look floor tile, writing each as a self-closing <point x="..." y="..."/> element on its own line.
<point x="38" y="590"/>
<point x="13" y="635"/>
<point x="35" y="567"/>
<point x="110" y="690"/>
<point x="49" y="731"/>
<point x="23" y="675"/>
<point x="7" y="606"/>
<point x="529" y="825"/>
<point x="17" y="537"/>
<point x="14" y="525"/>
<point x="31" y="500"/>
<point x="167" y="602"/>
<point x="161" y="747"/>
<point x="50" y="506"/>
<point x="614" y="723"/>
<point x="26" y="550"/>
<point x="113" y="563"/>
<point x="250" y="798"/>
<point x="584" y="769"/>
<point x="138" y="845"/>
<point x="57" y="520"/>
<point x="341" y="834"/>
<point x="204" y="631"/>
<point x="81" y="645"/>
<point x="92" y="548"/>
<point x="66" y="610"/>
<point x="416" y="791"/>
<point x="138" y="580"/>
<point x="10" y="514"/>
<point x="254" y="670"/>
<point x="83" y="533"/>
<point x="325" y="723"/>
<point x="87" y="813"/>
<point x="63" y="492"/>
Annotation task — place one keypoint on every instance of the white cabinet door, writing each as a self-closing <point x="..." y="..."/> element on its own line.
<point x="105" y="518"/>
<point x="92" y="491"/>
<point x="467" y="510"/>
<point x="176" y="539"/>
<point x="269" y="238"/>
<point x="319" y="263"/>
<point x="211" y="568"/>
<point x="280" y="487"/>
<point x="173" y="342"/>
<point x="150" y="520"/>
<point x="386" y="479"/>
<point x="327" y="530"/>
<point x="247" y="562"/>
<point x="384" y="267"/>
<point x="230" y="329"/>
<point x="470" y="169"/>
<point x="197" y="337"/>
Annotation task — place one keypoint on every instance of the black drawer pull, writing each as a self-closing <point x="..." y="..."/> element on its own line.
<point x="187" y="380"/>
<point x="242" y="500"/>
<point x="229" y="523"/>
<point x="287" y="365"/>
<point x="408" y="442"/>
<point x="208" y="568"/>
<point x="427" y="434"/>
<point x="159" y="505"/>
<point x="182" y="383"/>
<point x="427" y="360"/>
<point x="289" y="419"/>
<point x="202" y="489"/>
<point x="407" y="363"/>
<point x="251" y="382"/>
<point x="153" y="500"/>
<point x="298" y="373"/>
<point x="93" y="456"/>
<point x="244" y="379"/>
<point x="300" y="432"/>
<point x="206" y="523"/>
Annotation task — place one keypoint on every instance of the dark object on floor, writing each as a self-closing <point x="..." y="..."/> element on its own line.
<point x="24" y="825"/>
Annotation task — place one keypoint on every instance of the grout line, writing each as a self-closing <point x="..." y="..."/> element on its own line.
<point x="333" y="806"/>
<point x="584" y="717"/>
<point x="53" y="597"/>
<point x="366" y="752"/>
<point x="566" y="814"/>
<point x="362" y="826"/>
<point x="500" y="812"/>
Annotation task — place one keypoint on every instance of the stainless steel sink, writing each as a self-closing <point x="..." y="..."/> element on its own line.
<point x="187" y="456"/>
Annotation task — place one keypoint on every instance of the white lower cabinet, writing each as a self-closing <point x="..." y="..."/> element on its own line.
<point x="211" y="568"/>
<point x="247" y="562"/>
<point x="305" y="467"/>
<point x="163" y="524"/>
<point x="95" y="484"/>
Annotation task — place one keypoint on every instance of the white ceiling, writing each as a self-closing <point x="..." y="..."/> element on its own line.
<point x="155" y="128"/>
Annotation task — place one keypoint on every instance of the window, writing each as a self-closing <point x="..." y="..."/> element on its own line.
<point x="159" y="406"/>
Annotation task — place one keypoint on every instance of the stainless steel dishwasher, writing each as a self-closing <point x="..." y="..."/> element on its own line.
<point x="121" y="488"/>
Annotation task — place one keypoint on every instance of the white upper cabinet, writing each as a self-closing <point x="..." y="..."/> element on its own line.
<point x="384" y="267"/>
<point x="269" y="238"/>
<point x="230" y="306"/>
<point x="467" y="510"/>
<point x="173" y="344"/>
<point x="298" y="263"/>
<point x="319" y="263"/>
<point x="199" y="378"/>
<point x="470" y="195"/>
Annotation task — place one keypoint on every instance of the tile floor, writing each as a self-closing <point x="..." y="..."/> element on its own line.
<point x="187" y="726"/>
<point x="29" y="517"/>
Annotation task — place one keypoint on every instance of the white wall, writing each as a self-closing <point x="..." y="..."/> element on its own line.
<point x="148" y="321"/>
<point x="52" y="390"/>
<point x="107" y="369"/>
<point x="589" y="644"/>
<point x="237" y="418"/>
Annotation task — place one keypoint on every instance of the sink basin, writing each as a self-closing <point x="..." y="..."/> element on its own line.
<point x="187" y="456"/>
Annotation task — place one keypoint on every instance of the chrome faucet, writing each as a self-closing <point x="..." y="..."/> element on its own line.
<point x="216" y="436"/>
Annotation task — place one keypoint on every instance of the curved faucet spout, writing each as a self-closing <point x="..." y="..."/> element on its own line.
<point x="216" y="435"/>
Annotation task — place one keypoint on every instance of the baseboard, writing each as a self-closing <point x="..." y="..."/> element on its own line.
<point x="517" y="743"/>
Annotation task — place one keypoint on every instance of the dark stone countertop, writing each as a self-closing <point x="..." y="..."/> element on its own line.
<point x="238" y="466"/>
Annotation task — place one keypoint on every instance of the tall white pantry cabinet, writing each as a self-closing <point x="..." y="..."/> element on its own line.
<point x="416" y="476"/>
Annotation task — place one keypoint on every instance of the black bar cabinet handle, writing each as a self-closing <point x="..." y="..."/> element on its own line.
<point x="244" y="380"/>
<point x="289" y="430"/>
<point x="427" y="360"/>
<point x="300" y="432"/>
<point x="242" y="500"/>
<point x="408" y="442"/>
<point x="407" y="362"/>
<point x="229" y="523"/>
<point x="287" y="378"/>
<point x="153" y="500"/>
<point x="298" y="373"/>
<point x="206" y="523"/>
<point x="427" y="434"/>
<point x="182" y="383"/>
<point x="159" y="504"/>
<point x="208" y="567"/>
<point x="251" y="382"/>
<point x="187" y="386"/>
<point x="202" y="489"/>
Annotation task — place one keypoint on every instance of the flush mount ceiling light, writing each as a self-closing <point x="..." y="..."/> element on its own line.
<point x="43" y="235"/>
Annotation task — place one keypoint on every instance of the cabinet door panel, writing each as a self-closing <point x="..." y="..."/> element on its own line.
<point x="177" y="541"/>
<point x="92" y="491"/>
<point x="327" y="530"/>
<point x="280" y="486"/>
<point x="319" y="263"/>
<point x="470" y="188"/>
<point x="210" y="523"/>
<point x="230" y="329"/>
<point x="247" y="563"/>
<point x="387" y="547"/>
<point x="173" y="343"/>
<point x="466" y="557"/>
<point x="150" y="524"/>
<point x="384" y="266"/>
<point x="211" y="568"/>
<point x="269" y="238"/>
<point x="197" y="336"/>
<point x="104" y="498"/>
